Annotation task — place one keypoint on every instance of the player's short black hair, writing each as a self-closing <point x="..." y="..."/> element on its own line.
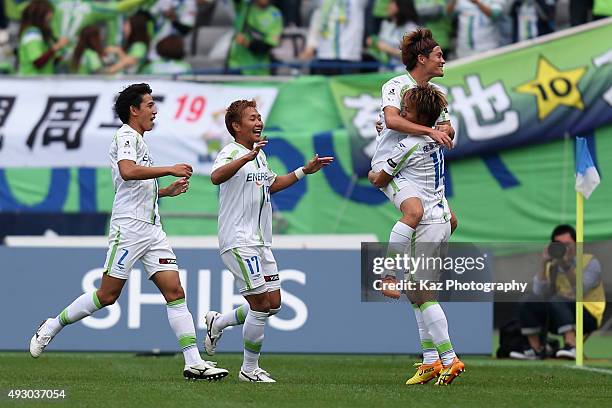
<point x="130" y="96"/>
<point x="563" y="229"/>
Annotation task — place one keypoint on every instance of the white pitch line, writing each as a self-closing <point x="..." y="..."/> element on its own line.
<point x="593" y="369"/>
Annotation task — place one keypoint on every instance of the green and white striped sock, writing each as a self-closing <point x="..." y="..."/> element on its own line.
<point x="430" y="354"/>
<point x="253" y="335"/>
<point x="80" y="308"/>
<point x="232" y="318"/>
<point x="181" y="322"/>
<point x="436" y="323"/>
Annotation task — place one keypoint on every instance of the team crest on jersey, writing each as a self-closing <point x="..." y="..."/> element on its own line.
<point x="127" y="143"/>
<point x="392" y="163"/>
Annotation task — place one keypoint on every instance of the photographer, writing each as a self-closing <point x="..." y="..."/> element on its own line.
<point x="552" y="306"/>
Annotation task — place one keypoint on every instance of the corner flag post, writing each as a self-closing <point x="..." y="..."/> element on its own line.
<point x="587" y="179"/>
<point x="579" y="268"/>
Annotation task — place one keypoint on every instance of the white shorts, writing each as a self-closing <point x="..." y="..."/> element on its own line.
<point x="399" y="189"/>
<point x="131" y="240"/>
<point x="431" y="245"/>
<point x="254" y="269"/>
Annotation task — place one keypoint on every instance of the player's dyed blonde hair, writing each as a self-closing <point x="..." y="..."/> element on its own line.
<point x="233" y="114"/>
<point x="415" y="43"/>
<point x="428" y="101"/>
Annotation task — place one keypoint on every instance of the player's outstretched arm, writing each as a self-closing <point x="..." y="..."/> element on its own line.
<point x="396" y="122"/>
<point x="314" y="165"/>
<point x="379" y="179"/>
<point x="227" y="171"/>
<point x="179" y="187"/>
<point x="129" y="170"/>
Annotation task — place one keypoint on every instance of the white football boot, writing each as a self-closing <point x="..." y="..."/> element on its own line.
<point x="40" y="340"/>
<point x="212" y="336"/>
<point x="206" y="370"/>
<point x="257" y="375"/>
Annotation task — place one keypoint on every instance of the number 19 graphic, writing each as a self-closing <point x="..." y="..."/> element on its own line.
<point x="196" y="108"/>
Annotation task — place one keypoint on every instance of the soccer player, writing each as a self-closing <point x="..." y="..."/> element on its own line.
<point x="136" y="234"/>
<point x="245" y="232"/>
<point x="415" y="168"/>
<point x="423" y="59"/>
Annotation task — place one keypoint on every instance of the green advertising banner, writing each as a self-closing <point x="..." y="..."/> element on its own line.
<point x="503" y="186"/>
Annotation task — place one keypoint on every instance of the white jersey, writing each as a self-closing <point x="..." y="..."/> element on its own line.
<point x="135" y="199"/>
<point x="392" y="92"/>
<point x="418" y="161"/>
<point x="245" y="210"/>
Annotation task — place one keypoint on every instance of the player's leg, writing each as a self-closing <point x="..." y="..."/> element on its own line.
<point x="81" y="307"/>
<point x="272" y="278"/>
<point x="430" y="241"/>
<point x="253" y="337"/>
<point x="270" y="302"/>
<point x="119" y="260"/>
<point x="246" y="266"/>
<point x="403" y="232"/>
<point x="216" y="322"/>
<point x="161" y="267"/>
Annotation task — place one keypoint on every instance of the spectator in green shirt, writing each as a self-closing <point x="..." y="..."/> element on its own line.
<point x="37" y="47"/>
<point x="259" y="26"/>
<point x="88" y="55"/>
<point x="171" y="51"/>
<point x="133" y="56"/>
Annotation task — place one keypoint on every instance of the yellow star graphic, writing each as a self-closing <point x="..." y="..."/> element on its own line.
<point x="553" y="87"/>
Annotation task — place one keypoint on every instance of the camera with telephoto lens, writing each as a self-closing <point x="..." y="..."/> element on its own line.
<point x="557" y="250"/>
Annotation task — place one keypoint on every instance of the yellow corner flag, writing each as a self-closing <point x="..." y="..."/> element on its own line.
<point x="587" y="179"/>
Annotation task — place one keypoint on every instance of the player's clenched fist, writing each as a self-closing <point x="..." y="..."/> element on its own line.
<point x="181" y="170"/>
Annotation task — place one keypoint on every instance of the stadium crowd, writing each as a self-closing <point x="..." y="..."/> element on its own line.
<point x="42" y="37"/>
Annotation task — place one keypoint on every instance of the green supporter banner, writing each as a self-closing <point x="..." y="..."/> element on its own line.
<point x="516" y="193"/>
<point x="531" y="94"/>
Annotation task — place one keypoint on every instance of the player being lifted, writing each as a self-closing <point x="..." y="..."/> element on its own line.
<point x="245" y="232"/>
<point x="414" y="171"/>
<point x="135" y="233"/>
<point x="424" y="60"/>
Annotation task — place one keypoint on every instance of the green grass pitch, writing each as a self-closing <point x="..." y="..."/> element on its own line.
<point x="126" y="380"/>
